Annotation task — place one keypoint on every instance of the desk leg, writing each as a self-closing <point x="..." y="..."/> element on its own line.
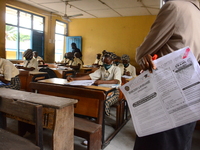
<point x="63" y="133"/>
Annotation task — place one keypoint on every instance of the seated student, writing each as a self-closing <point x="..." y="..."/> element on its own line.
<point x="108" y="74"/>
<point x="30" y="64"/>
<point x="117" y="62"/>
<point x="129" y="70"/>
<point x="77" y="62"/>
<point x="98" y="60"/>
<point x="65" y="59"/>
<point x="9" y="75"/>
<point x="38" y="58"/>
<point x="68" y="58"/>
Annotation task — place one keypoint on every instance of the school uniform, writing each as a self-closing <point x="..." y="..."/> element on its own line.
<point x="121" y="66"/>
<point x="112" y="73"/>
<point x="38" y="58"/>
<point x="65" y="60"/>
<point x="77" y="61"/>
<point x="130" y="69"/>
<point x="10" y="73"/>
<point x="31" y="63"/>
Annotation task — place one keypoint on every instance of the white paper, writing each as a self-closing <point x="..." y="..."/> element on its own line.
<point x="81" y="82"/>
<point x="109" y="85"/>
<point x="127" y="77"/>
<point x="167" y="98"/>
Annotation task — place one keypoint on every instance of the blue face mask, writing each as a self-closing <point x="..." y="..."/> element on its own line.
<point x="106" y="66"/>
<point x="126" y="65"/>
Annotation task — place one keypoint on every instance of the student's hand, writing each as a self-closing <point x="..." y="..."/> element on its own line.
<point x="70" y="79"/>
<point x="127" y="73"/>
<point x="19" y="67"/>
<point x="147" y="63"/>
<point x="97" y="82"/>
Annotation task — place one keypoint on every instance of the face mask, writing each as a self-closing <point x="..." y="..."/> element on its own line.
<point x="28" y="58"/>
<point x="126" y="65"/>
<point x="106" y="66"/>
<point x="116" y="63"/>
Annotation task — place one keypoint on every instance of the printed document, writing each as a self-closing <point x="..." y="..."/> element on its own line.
<point x="167" y="98"/>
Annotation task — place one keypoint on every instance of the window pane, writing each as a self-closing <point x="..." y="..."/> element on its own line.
<point x="38" y="23"/>
<point x="25" y="19"/>
<point x="59" y="47"/>
<point x="11" y="42"/>
<point x="11" y="16"/>
<point x="61" y="27"/>
<point x="25" y="40"/>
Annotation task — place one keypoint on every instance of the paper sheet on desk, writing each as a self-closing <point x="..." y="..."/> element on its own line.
<point x="110" y="85"/>
<point x="81" y="82"/>
<point x="167" y="98"/>
<point x="127" y="77"/>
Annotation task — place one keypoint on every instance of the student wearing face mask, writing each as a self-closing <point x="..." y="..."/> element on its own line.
<point x="30" y="64"/>
<point x="117" y="62"/>
<point x="128" y="69"/>
<point x="107" y="74"/>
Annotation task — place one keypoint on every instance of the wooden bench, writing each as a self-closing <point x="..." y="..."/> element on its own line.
<point x="90" y="131"/>
<point x="22" y="110"/>
<point x="58" y="115"/>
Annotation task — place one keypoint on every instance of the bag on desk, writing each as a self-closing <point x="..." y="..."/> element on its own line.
<point x="50" y="72"/>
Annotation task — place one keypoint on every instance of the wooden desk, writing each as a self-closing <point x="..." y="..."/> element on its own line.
<point x="28" y="76"/>
<point x="58" y="115"/>
<point x="90" y="100"/>
<point x="85" y="70"/>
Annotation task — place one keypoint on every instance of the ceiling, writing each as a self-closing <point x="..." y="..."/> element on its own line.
<point x="98" y="8"/>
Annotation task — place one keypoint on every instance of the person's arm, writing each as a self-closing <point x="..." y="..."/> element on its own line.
<point x="7" y="74"/>
<point x="4" y="80"/>
<point x="161" y="31"/>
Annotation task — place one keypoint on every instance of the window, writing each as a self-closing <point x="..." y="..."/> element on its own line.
<point x="22" y="31"/>
<point x="60" y="38"/>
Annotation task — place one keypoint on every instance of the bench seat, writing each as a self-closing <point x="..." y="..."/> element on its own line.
<point x="90" y="131"/>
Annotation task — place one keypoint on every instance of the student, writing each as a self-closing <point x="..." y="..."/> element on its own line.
<point x="77" y="62"/>
<point x="108" y="74"/>
<point x="176" y="26"/>
<point x="75" y="49"/>
<point x="30" y="64"/>
<point x="65" y="59"/>
<point x="98" y="60"/>
<point x="128" y="69"/>
<point x="9" y="75"/>
<point x="38" y="58"/>
<point x="117" y="62"/>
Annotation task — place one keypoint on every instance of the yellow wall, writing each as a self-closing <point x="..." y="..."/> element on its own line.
<point x="121" y="35"/>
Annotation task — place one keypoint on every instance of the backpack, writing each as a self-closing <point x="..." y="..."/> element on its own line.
<point x="49" y="71"/>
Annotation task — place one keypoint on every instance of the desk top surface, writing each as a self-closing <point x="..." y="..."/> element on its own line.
<point x="45" y="100"/>
<point x="60" y="81"/>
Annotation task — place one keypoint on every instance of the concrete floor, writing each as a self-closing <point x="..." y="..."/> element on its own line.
<point x="124" y="140"/>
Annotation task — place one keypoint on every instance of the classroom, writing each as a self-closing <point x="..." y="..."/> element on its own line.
<point x="118" y="34"/>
